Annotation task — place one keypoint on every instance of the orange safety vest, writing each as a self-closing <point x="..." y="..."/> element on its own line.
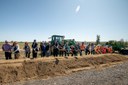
<point x="82" y="47"/>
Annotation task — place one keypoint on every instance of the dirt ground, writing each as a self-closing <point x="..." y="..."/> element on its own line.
<point x="114" y="74"/>
<point x="42" y="68"/>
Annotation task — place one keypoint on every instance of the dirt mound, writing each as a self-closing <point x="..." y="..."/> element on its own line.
<point x="12" y="71"/>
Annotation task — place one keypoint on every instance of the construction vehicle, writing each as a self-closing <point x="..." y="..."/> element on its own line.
<point x="56" y="38"/>
<point x="60" y="39"/>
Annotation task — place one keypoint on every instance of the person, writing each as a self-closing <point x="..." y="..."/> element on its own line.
<point x="55" y="50"/>
<point x="27" y="50"/>
<point x="110" y="49"/>
<point x="51" y="48"/>
<point x="34" y="49"/>
<point x="74" y="50"/>
<point x="98" y="49"/>
<point x="87" y="50"/>
<point x="64" y="50"/>
<point x="104" y="50"/>
<point x="47" y="49"/>
<point x="82" y="48"/>
<point x="16" y="50"/>
<point x="43" y="49"/>
<point x="92" y="49"/>
<point x="60" y="49"/>
<point x="7" y="49"/>
<point x="77" y="46"/>
<point x="67" y="49"/>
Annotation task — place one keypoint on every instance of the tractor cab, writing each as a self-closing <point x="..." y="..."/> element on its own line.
<point x="60" y="39"/>
<point x="56" y="38"/>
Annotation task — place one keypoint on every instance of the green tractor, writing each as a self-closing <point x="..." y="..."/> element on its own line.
<point x="60" y="39"/>
<point x="70" y="41"/>
<point x="56" y="38"/>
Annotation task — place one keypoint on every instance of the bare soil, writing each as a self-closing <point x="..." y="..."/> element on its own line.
<point x="42" y="68"/>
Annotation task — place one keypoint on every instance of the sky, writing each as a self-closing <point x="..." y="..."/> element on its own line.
<point x="82" y="20"/>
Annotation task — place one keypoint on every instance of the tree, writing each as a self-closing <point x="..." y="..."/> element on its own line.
<point x="126" y="43"/>
<point x="117" y="45"/>
<point x="122" y="40"/>
<point x="98" y="39"/>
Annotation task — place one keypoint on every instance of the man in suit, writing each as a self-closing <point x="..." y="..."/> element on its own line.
<point x="34" y="49"/>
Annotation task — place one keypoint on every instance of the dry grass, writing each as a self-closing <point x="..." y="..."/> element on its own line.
<point x="16" y="70"/>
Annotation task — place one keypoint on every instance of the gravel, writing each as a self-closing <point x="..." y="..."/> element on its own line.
<point x="113" y="75"/>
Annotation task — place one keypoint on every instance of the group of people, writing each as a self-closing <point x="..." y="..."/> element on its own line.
<point x="56" y="49"/>
<point x="9" y="49"/>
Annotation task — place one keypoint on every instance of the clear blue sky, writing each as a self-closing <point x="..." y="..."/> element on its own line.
<point x="25" y="20"/>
